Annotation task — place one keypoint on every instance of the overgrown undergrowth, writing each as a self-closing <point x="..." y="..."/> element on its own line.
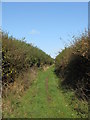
<point x="18" y="57"/>
<point x="14" y="92"/>
<point x="72" y="65"/>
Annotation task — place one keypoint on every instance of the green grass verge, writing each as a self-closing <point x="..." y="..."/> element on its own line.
<point x="42" y="100"/>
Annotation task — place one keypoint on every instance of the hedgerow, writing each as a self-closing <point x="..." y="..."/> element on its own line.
<point x="73" y="66"/>
<point x="18" y="56"/>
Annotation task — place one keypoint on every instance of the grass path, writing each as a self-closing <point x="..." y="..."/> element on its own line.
<point x="43" y="99"/>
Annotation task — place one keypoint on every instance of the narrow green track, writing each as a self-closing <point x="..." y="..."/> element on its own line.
<point x="43" y="99"/>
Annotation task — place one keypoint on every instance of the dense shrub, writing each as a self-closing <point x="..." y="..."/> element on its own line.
<point x="73" y="65"/>
<point x="17" y="56"/>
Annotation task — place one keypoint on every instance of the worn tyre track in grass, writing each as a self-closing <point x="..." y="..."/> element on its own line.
<point x="43" y="99"/>
<point x="47" y="92"/>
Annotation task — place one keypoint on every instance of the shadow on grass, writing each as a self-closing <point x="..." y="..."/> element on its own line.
<point x="76" y="76"/>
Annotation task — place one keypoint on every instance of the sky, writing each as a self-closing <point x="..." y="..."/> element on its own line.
<point x="49" y="26"/>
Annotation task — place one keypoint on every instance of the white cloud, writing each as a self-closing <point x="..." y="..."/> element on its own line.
<point x="34" y="32"/>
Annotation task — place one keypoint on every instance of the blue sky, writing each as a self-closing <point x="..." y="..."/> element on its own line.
<point x="43" y="24"/>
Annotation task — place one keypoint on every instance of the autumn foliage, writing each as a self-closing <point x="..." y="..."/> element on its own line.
<point x="18" y="56"/>
<point x="73" y="66"/>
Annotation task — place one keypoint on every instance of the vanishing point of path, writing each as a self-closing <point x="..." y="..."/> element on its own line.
<point x="44" y="99"/>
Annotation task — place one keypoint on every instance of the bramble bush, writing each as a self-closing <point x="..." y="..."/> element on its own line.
<point x="73" y="66"/>
<point x="18" y="56"/>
